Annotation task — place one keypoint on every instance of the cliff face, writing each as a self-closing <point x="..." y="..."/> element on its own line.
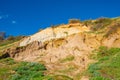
<point x="55" y="33"/>
<point x="66" y="49"/>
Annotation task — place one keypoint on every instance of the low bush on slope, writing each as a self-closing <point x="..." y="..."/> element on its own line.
<point x="108" y="65"/>
<point x="10" y="40"/>
<point x="11" y="70"/>
<point x="6" y="66"/>
<point x="29" y="71"/>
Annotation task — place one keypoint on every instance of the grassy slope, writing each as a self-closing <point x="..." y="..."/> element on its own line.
<point x="11" y="70"/>
<point x="10" y="42"/>
<point x="108" y="65"/>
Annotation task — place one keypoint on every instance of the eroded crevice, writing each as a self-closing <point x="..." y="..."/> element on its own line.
<point x="6" y="55"/>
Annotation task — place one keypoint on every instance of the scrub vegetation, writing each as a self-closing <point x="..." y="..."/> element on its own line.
<point x="107" y="66"/>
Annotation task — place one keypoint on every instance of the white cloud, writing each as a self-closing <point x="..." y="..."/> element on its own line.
<point x="8" y="17"/>
<point x="13" y="22"/>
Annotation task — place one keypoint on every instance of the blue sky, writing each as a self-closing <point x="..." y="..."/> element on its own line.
<point x="26" y="17"/>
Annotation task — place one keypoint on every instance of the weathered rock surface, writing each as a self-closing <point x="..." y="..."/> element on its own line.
<point x="55" y="33"/>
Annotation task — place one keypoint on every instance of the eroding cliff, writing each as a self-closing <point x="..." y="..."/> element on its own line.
<point x="66" y="49"/>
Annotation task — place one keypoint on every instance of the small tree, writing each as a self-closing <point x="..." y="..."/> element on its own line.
<point x="2" y="35"/>
<point x="1" y="38"/>
<point x="11" y="38"/>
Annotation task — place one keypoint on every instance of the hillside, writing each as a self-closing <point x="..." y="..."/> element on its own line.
<point x="79" y="50"/>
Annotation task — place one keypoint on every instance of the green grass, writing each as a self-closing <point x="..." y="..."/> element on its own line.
<point x="10" y="40"/>
<point x="68" y="58"/>
<point x="72" y="21"/>
<point x="29" y="71"/>
<point x="11" y="70"/>
<point x="108" y="65"/>
<point x="6" y="66"/>
<point x="7" y="61"/>
<point x="61" y="77"/>
<point x="7" y="42"/>
<point x="101" y="23"/>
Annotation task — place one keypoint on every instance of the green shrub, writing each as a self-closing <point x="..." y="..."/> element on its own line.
<point x="101" y="23"/>
<point x="8" y="61"/>
<point x="101" y="52"/>
<point x="108" y="65"/>
<point x="68" y="58"/>
<point x="28" y="71"/>
<point x="103" y="20"/>
<point x="61" y="77"/>
<point x="99" y="78"/>
<point x="11" y="70"/>
<point x="104" y="51"/>
<point x="93" y="69"/>
<point x="10" y="40"/>
<point x="5" y="68"/>
<point x="72" y="21"/>
<point x="87" y="22"/>
<point x="112" y="29"/>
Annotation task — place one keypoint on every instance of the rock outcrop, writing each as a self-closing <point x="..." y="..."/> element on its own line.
<point x="55" y="33"/>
